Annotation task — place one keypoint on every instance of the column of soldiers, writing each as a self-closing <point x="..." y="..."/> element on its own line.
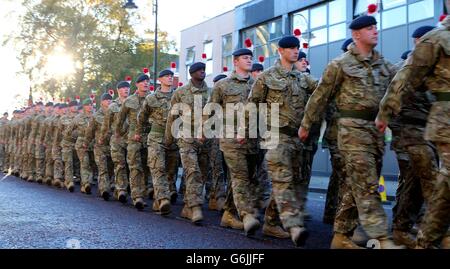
<point x="132" y="143"/>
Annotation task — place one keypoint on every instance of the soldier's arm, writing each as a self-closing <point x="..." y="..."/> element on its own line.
<point x="142" y="116"/>
<point x="410" y="77"/>
<point x="321" y="95"/>
<point x="171" y="118"/>
<point x="312" y="83"/>
<point x="106" y="124"/>
<point x="121" y="117"/>
<point x="258" y="92"/>
<point x="89" y="133"/>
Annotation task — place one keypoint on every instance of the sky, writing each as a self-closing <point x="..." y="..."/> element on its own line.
<point x="174" y="16"/>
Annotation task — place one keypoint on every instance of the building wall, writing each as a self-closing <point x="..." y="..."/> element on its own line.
<point x="195" y="36"/>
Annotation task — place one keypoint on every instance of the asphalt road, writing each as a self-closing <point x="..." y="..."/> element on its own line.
<point x="39" y="216"/>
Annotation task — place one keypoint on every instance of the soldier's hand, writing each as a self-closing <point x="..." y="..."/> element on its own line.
<point x="303" y="134"/>
<point x="100" y="141"/>
<point x="381" y="125"/>
<point x="137" y="138"/>
<point x="241" y="140"/>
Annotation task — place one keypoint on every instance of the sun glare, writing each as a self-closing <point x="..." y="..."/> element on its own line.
<point x="60" y="63"/>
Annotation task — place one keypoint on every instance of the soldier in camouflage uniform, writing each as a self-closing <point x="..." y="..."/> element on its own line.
<point x="33" y="141"/>
<point x="48" y="130"/>
<point x="241" y="154"/>
<point x="418" y="174"/>
<point x="136" y="152"/>
<point x="117" y="140"/>
<point x="58" y="164"/>
<point x="68" y="141"/>
<point x="428" y="67"/>
<point x="39" y="155"/>
<point x="194" y="149"/>
<point x="102" y="152"/>
<point x="285" y="86"/>
<point x="26" y="145"/>
<point x="3" y="134"/>
<point x="15" y="134"/>
<point x="356" y="81"/>
<point x="162" y="160"/>
<point x="83" y="146"/>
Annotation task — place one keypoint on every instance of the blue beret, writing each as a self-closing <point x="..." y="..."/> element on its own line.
<point x="49" y="104"/>
<point x="39" y="103"/>
<point x="123" y="84"/>
<point x="63" y="106"/>
<point x="165" y="73"/>
<point x="362" y="21"/>
<point x="219" y="77"/>
<point x="241" y="52"/>
<point x="106" y="96"/>
<point x="289" y="42"/>
<point x="197" y="66"/>
<point x="142" y="77"/>
<point x="56" y="105"/>
<point x="257" y="67"/>
<point x="345" y="44"/>
<point x="421" y="31"/>
<point x="405" y="54"/>
<point x="301" y="55"/>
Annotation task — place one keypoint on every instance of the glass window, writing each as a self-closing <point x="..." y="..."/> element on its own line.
<point x="227" y="44"/>
<point x="300" y="20"/>
<point x="387" y="4"/>
<point x="338" y="11"/>
<point x="319" y="37"/>
<point x="228" y="62"/>
<point x="262" y="51"/>
<point x="209" y="67"/>
<point x="337" y="32"/>
<point x="275" y="29"/>
<point x="319" y="16"/>
<point x="208" y="49"/>
<point x="190" y="55"/>
<point x="361" y="6"/>
<point x="394" y="17"/>
<point x="421" y="10"/>
<point x="262" y="35"/>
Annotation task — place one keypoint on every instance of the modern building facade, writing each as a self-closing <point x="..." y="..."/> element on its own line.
<point x="324" y="27"/>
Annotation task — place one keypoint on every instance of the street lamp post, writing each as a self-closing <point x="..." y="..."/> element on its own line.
<point x="131" y="5"/>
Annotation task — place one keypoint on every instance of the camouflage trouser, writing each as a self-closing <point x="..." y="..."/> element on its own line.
<point x="17" y="159"/>
<point x="416" y="184"/>
<point x="242" y="170"/>
<point x="305" y="171"/>
<point x="48" y="164"/>
<point x="119" y="158"/>
<point x="102" y="156"/>
<point x="2" y="156"/>
<point x="195" y="160"/>
<point x="163" y="164"/>
<point x="58" y="164"/>
<point x="137" y="176"/>
<point x="67" y="157"/>
<point x="85" y="165"/>
<point x="264" y="189"/>
<point x="31" y="162"/>
<point x="437" y="217"/>
<point x="337" y="178"/>
<point x="360" y="196"/>
<point x="215" y="184"/>
<point x="284" y="163"/>
<point x="40" y="162"/>
<point x="76" y="167"/>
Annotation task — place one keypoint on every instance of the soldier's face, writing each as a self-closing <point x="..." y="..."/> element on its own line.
<point x="255" y="74"/>
<point x="142" y="86"/>
<point x="106" y="103"/>
<point x="123" y="92"/>
<point x="289" y="54"/>
<point x="368" y="35"/>
<point x="301" y="65"/>
<point x="244" y="63"/>
<point x="166" y="80"/>
<point x="87" y="109"/>
<point x="199" y="75"/>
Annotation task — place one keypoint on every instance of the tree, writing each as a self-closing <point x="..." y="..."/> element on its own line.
<point x="93" y="38"/>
